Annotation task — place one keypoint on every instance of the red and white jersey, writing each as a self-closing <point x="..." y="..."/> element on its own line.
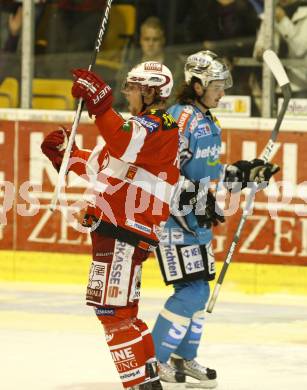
<point x="134" y="174"/>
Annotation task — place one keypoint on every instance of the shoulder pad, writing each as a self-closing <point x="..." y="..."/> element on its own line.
<point x="167" y="120"/>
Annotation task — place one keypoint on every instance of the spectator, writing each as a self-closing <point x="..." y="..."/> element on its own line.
<point x="152" y="48"/>
<point x="290" y="41"/>
<point x="73" y="25"/>
<point x="219" y="23"/>
<point x="15" y="23"/>
<point x="14" y="27"/>
<point x="258" y="6"/>
<point x="227" y="27"/>
<point x="9" y="56"/>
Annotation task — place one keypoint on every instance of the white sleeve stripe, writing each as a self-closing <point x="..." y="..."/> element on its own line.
<point x="87" y="85"/>
<point x="136" y="143"/>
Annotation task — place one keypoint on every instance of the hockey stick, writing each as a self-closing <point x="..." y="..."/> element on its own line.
<point x="65" y="161"/>
<point x="281" y="77"/>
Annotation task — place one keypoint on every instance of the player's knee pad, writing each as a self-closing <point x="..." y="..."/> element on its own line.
<point x="202" y="290"/>
<point x="189" y="297"/>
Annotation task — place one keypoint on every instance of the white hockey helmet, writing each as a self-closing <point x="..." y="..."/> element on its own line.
<point x="152" y="74"/>
<point x="207" y="66"/>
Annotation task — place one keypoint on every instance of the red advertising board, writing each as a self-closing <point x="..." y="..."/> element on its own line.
<point x="7" y="180"/>
<point x="276" y="232"/>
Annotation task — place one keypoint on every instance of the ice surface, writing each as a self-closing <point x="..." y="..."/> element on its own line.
<point x="49" y="340"/>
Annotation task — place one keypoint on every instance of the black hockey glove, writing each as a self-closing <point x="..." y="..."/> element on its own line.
<point x="238" y="175"/>
<point x="201" y="201"/>
<point x="207" y="211"/>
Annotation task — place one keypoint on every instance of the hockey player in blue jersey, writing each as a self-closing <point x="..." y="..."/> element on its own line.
<point x="185" y="254"/>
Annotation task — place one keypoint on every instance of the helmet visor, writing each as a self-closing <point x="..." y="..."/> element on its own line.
<point x="129" y="87"/>
<point x="224" y="82"/>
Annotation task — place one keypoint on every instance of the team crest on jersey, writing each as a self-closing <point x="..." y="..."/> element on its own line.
<point x="150" y="124"/>
<point x="132" y="170"/>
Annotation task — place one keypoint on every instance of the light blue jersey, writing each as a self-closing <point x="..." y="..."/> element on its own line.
<point x="200" y="147"/>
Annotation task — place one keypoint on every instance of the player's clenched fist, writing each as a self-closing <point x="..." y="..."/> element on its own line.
<point x="93" y="90"/>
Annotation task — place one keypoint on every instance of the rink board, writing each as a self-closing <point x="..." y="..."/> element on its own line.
<point x="276" y="233"/>
<point x="60" y="268"/>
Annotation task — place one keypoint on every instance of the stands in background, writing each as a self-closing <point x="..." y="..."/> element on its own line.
<point x="118" y="38"/>
<point x="9" y="93"/>
<point x="52" y="94"/>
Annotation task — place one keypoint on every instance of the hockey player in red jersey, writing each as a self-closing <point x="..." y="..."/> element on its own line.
<point x="134" y="176"/>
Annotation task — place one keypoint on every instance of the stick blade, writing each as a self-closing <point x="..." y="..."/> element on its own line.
<point x="276" y="67"/>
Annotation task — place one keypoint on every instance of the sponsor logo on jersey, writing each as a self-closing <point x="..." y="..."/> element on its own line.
<point x="132" y="170"/>
<point x="97" y="282"/>
<point x="103" y="254"/>
<point x="153" y="66"/>
<point x="117" y="267"/>
<point x="104" y="312"/>
<point x="136" y="284"/>
<point x="126" y="362"/>
<point x="211" y="152"/>
<point x="113" y="291"/>
<point x="177" y="236"/>
<point x="150" y="124"/>
<point x="129" y="376"/>
<point x="164" y="239"/>
<point x="138" y="226"/>
<point x="211" y="259"/>
<point x="202" y="130"/>
<point x="118" y="282"/>
<point x="171" y="262"/>
<point x="182" y="120"/>
<point x="168" y="121"/>
<point x="192" y="259"/>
